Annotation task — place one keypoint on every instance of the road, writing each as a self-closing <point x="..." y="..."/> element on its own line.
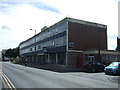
<point x="28" y="77"/>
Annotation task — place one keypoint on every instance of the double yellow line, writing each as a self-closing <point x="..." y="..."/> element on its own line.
<point x="7" y="81"/>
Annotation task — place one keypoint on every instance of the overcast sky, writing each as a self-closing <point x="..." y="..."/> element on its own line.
<point x="18" y="17"/>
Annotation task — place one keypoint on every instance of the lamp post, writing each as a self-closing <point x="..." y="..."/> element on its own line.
<point x="35" y="37"/>
<point x="34" y="42"/>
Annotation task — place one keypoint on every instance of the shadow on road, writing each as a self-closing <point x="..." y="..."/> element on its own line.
<point x="54" y="68"/>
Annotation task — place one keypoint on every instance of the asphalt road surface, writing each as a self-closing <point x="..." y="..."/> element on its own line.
<point x="28" y="77"/>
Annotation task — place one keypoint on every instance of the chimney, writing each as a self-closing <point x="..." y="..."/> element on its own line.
<point x="44" y="28"/>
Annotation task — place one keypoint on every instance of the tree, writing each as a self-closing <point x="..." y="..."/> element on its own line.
<point x="15" y="52"/>
<point x="8" y="53"/>
<point x="12" y="53"/>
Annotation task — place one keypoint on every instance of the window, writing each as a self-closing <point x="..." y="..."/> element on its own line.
<point x="39" y="47"/>
<point x="60" y="41"/>
<point x="52" y="58"/>
<point x="35" y="47"/>
<point x="71" y="44"/>
<point x="61" y="28"/>
<point x="56" y="31"/>
<point x="91" y="58"/>
<point x="61" y="58"/>
<point x="30" y="49"/>
<point x="53" y="43"/>
<point x="57" y="42"/>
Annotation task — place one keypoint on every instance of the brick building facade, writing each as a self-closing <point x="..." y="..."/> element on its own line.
<point x="66" y="43"/>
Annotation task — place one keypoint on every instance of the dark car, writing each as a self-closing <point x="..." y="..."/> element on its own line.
<point x="93" y="67"/>
<point x="113" y="68"/>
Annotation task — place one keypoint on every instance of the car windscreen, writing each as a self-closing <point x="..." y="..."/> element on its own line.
<point x="114" y="64"/>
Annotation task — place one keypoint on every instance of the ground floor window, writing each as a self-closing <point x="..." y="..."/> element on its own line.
<point x="89" y="57"/>
<point x="109" y="58"/>
<point x="42" y="59"/>
<point x="52" y="58"/>
<point x="62" y="58"/>
<point x="34" y="60"/>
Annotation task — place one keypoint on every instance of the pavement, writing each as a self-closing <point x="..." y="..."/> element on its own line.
<point x="115" y="79"/>
<point x="55" y="68"/>
<point x="99" y="76"/>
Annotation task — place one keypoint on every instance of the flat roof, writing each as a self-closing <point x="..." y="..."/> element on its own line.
<point x="86" y="22"/>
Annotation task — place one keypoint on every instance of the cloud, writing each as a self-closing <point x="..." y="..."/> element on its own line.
<point x="44" y="7"/>
<point x="6" y="7"/>
<point x="5" y="28"/>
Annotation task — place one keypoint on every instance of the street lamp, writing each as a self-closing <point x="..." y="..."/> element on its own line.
<point x="35" y="37"/>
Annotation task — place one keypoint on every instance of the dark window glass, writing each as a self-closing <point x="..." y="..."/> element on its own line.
<point x="30" y="49"/>
<point x="52" y="58"/>
<point x="61" y="58"/>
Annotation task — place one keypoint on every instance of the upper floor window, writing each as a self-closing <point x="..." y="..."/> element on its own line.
<point x="35" y="47"/>
<point x="53" y="43"/>
<point x="39" y="47"/>
<point x="30" y="49"/>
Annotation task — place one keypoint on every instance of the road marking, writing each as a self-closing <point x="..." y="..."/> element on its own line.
<point x="3" y="82"/>
<point x="8" y="82"/>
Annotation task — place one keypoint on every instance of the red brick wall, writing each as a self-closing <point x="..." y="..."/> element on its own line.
<point x="86" y="37"/>
<point x="74" y="59"/>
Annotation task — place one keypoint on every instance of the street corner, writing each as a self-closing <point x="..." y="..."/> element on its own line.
<point x="115" y="79"/>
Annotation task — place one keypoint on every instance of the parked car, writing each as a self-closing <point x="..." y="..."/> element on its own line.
<point x="93" y="67"/>
<point x="113" y="68"/>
